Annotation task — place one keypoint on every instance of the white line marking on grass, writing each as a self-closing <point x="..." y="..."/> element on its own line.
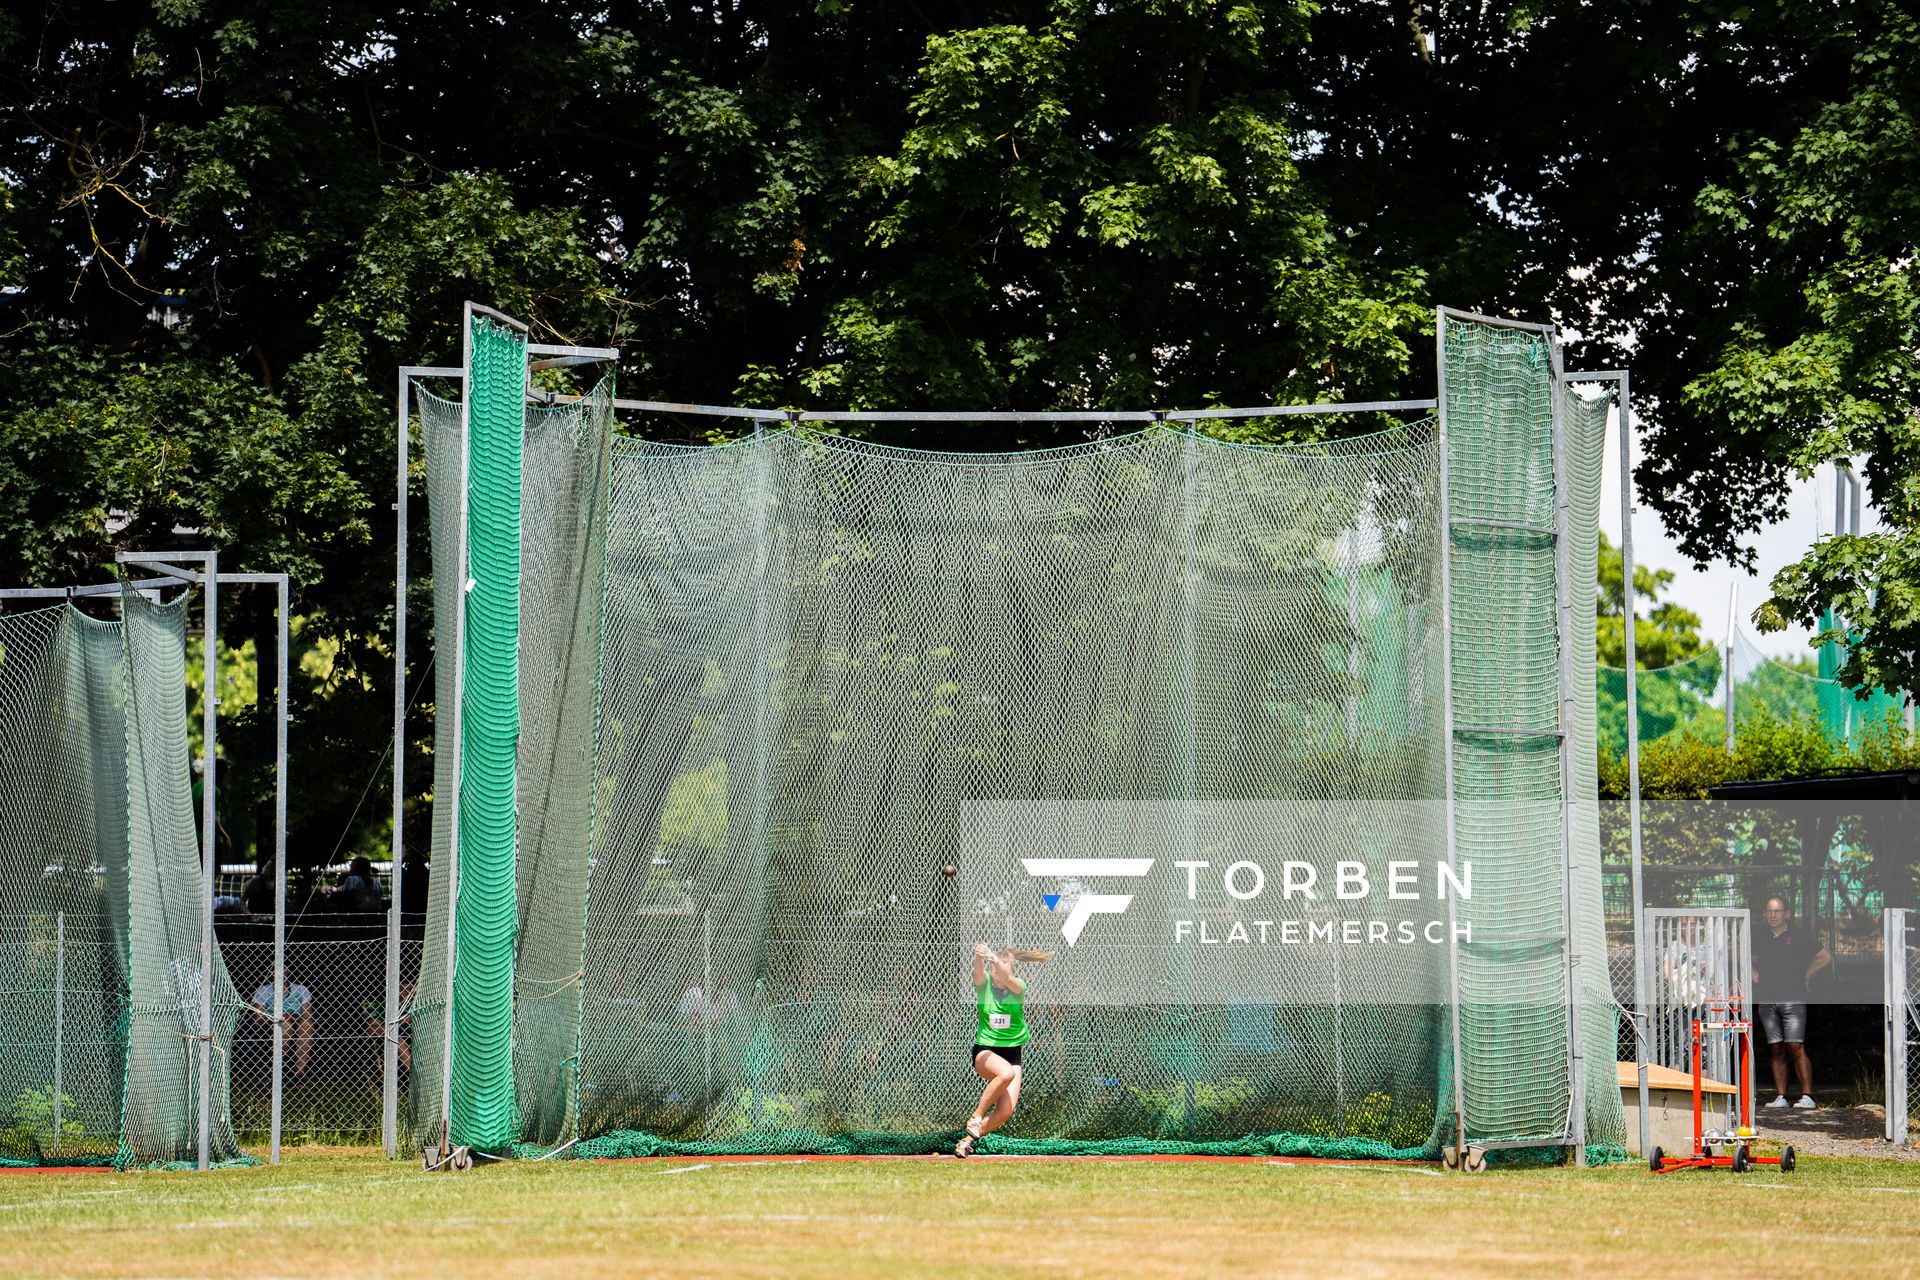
<point x="689" y="1168"/>
<point x="60" y="1200"/>
<point x="1892" y="1191"/>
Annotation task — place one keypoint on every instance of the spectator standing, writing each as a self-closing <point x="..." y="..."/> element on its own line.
<point x="257" y="897"/>
<point x="1785" y="957"/>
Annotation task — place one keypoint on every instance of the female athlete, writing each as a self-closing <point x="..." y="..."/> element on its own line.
<point x="1001" y="999"/>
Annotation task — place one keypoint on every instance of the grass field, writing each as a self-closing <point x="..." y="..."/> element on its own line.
<point x="359" y="1215"/>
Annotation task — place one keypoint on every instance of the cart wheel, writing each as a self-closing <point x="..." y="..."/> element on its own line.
<point x="429" y="1159"/>
<point x="1740" y="1161"/>
<point x="1787" y="1160"/>
<point x="1450" y="1157"/>
<point x="462" y="1159"/>
<point x="1476" y="1160"/>
<point x="1655" y="1159"/>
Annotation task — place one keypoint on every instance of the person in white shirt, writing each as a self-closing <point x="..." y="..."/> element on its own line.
<point x="298" y="1021"/>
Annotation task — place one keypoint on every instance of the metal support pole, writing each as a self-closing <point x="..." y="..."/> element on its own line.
<point x="1190" y="684"/>
<point x="390" y="1031"/>
<point x="1352" y="558"/>
<point x="59" y="1022"/>
<point x="1339" y="1046"/>
<point x="209" y="726"/>
<point x="283" y="605"/>
<point x="1446" y="699"/>
<point x="1564" y="627"/>
<point x="1894" y="959"/>
<point x="459" y="721"/>
<point x="1629" y="608"/>
<point x="705" y="1011"/>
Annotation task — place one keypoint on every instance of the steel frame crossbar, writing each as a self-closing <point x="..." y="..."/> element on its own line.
<point x="1142" y="417"/>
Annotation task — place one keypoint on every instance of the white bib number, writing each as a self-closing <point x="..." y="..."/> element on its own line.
<point x="999" y="1021"/>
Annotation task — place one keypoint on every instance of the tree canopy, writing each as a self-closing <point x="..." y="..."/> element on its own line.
<point x="224" y="223"/>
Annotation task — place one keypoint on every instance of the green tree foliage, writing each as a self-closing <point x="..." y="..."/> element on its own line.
<point x="1734" y="185"/>
<point x="1815" y="349"/>
<point x="224" y="223"/>
<point x="1679" y="670"/>
<point x="1664" y="633"/>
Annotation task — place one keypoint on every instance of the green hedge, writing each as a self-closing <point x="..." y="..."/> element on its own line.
<point x="1684" y="765"/>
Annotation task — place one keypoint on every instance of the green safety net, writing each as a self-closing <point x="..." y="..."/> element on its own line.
<point x="487" y="885"/>
<point x="772" y="691"/>
<point x="100" y="939"/>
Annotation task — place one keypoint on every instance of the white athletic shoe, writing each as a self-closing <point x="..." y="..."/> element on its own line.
<point x="1779" y="1103"/>
<point x="1806" y="1103"/>
<point x="975" y="1126"/>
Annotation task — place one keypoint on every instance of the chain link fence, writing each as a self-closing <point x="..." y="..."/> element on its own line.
<point x="332" y="1035"/>
<point x="1911" y="1049"/>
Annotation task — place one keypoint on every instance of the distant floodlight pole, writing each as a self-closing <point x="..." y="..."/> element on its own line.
<point x="1733" y="608"/>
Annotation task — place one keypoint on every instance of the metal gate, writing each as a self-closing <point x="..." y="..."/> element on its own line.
<point x="1697" y="957"/>
<point x="1900" y="954"/>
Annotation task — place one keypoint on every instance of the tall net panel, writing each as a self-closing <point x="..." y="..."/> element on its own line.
<point x="838" y="712"/>
<point x="1087" y="653"/>
<point x="563" y="558"/>
<point x="1531" y="1014"/>
<point x="101" y="938"/>
<point x="1585" y="417"/>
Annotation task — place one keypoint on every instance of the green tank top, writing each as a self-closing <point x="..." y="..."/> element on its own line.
<point x="1003" y="1018"/>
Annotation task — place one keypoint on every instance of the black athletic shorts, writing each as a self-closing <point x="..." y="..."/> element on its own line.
<point x="1011" y="1052"/>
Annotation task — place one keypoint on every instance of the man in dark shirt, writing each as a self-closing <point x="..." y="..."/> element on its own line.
<point x="1785" y="956"/>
